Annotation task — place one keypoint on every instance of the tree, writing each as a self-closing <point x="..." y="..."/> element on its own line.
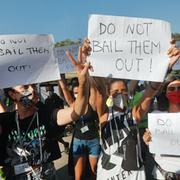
<point x="176" y="36"/>
<point x="68" y="42"/>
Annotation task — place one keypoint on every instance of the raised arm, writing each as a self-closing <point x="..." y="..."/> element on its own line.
<point x="67" y="95"/>
<point x="99" y="84"/>
<point x="74" y="112"/>
<point x="132" y="86"/>
<point x="93" y="95"/>
<point x="60" y="90"/>
<point x="140" y="110"/>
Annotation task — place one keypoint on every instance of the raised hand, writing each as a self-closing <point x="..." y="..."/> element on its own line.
<point x="174" y="53"/>
<point x="81" y="69"/>
<point x="86" y="49"/>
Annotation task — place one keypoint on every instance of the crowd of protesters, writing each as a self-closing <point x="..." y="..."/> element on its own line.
<point x="110" y="125"/>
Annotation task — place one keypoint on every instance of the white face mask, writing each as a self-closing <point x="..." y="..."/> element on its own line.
<point x="49" y="93"/>
<point x="120" y="100"/>
<point x="75" y="95"/>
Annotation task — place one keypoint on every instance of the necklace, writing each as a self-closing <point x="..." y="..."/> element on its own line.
<point x="22" y="140"/>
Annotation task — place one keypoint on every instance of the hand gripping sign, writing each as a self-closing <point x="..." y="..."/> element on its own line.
<point x="164" y="128"/>
<point x="177" y="64"/>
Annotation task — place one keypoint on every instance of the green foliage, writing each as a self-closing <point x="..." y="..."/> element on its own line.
<point x="68" y="42"/>
<point x="174" y="72"/>
<point x="176" y="36"/>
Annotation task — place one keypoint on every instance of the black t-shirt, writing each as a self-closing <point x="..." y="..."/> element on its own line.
<point x="40" y="105"/>
<point x="89" y="120"/>
<point x="10" y="151"/>
<point x="53" y="102"/>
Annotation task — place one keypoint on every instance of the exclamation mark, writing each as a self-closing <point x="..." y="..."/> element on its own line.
<point x="150" y="64"/>
<point x="29" y="68"/>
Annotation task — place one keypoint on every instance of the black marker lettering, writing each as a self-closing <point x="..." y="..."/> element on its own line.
<point x="1" y="53"/>
<point x="126" y="65"/>
<point x="11" y="68"/>
<point x="2" y="41"/>
<point x="119" y="64"/>
<point x="139" y="29"/>
<point x="145" y="46"/>
<point x="110" y="28"/>
<point x="158" y="45"/>
<point x="138" y="63"/>
<point x="129" y="27"/>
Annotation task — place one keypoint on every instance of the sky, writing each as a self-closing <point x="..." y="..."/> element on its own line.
<point x="68" y="19"/>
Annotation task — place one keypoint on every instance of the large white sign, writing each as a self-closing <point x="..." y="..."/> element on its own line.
<point x="177" y="64"/>
<point x="130" y="48"/>
<point x="164" y="128"/>
<point x="65" y="65"/>
<point x="26" y="59"/>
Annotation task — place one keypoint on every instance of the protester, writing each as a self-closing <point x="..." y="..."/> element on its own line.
<point x="27" y="137"/>
<point x="120" y="155"/>
<point x="74" y="80"/>
<point x="86" y="136"/>
<point x="8" y="104"/>
<point x="167" y="166"/>
<point x="54" y="101"/>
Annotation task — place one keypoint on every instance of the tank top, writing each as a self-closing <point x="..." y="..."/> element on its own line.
<point x="115" y="136"/>
<point x="89" y="120"/>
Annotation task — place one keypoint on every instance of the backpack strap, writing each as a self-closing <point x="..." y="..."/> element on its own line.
<point x="167" y="175"/>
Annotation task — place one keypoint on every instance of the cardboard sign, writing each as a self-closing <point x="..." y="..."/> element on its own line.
<point x="65" y="65"/>
<point x="164" y="128"/>
<point x="27" y="59"/>
<point x="177" y="64"/>
<point x="129" y="48"/>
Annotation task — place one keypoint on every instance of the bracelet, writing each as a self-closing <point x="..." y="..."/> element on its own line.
<point x="152" y="87"/>
<point x="169" y="71"/>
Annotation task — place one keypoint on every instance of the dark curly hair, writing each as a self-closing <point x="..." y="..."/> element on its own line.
<point x="6" y="90"/>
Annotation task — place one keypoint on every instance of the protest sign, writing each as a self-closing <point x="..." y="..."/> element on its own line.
<point x="65" y="65"/>
<point x="164" y="128"/>
<point x="177" y="64"/>
<point x="27" y="59"/>
<point x="130" y="48"/>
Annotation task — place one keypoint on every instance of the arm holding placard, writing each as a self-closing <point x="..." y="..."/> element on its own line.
<point x="60" y="90"/>
<point x="99" y="84"/>
<point x="140" y="110"/>
<point x="67" y="95"/>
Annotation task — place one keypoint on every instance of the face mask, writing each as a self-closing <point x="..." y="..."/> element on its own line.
<point x="49" y="93"/>
<point x="174" y="97"/>
<point x="120" y="100"/>
<point x="28" y="98"/>
<point x="75" y="95"/>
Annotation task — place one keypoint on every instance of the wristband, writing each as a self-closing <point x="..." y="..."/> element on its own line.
<point x="169" y="71"/>
<point x="152" y="87"/>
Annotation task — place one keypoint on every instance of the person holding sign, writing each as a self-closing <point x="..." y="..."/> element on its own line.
<point x="28" y="143"/>
<point x="120" y="156"/>
<point x="167" y="166"/>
